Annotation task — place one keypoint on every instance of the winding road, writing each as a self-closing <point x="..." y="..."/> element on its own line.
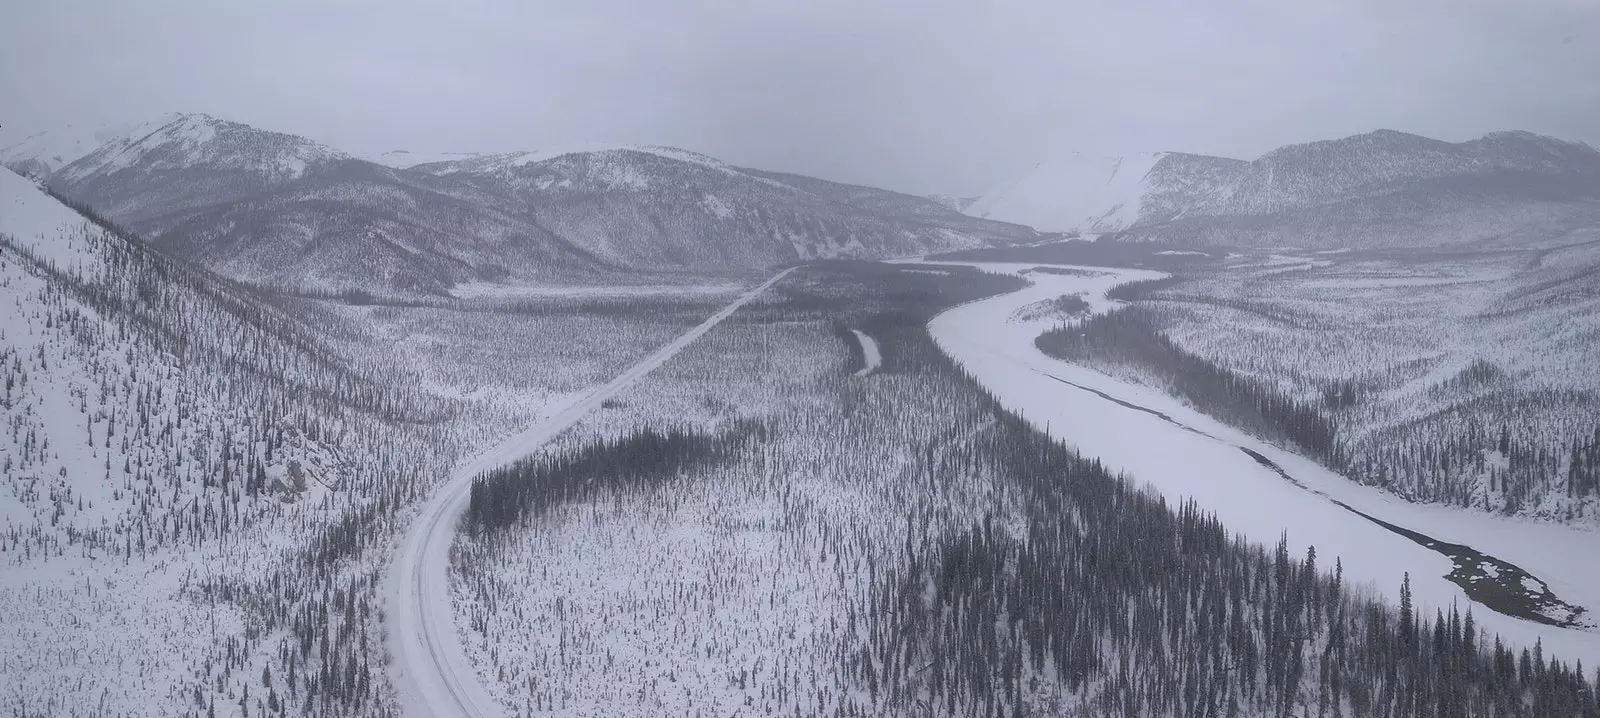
<point x="430" y="669"/>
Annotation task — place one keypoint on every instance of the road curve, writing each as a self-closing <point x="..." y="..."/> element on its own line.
<point x="430" y="670"/>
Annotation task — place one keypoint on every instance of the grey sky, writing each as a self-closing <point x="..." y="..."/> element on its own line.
<point x="917" y="95"/>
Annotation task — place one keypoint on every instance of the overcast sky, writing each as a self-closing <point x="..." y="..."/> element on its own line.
<point x="918" y="95"/>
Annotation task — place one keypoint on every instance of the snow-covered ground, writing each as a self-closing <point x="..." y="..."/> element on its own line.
<point x="431" y="669"/>
<point x="871" y="357"/>
<point x="141" y="475"/>
<point x="1422" y="354"/>
<point x="1249" y="498"/>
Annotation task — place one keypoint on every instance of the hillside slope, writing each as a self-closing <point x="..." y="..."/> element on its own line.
<point x="281" y="210"/>
<point x="42" y="153"/>
<point x="654" y="206"/>
<point x="179" y="456"/>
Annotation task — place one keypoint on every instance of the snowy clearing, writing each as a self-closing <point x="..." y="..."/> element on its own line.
<point x="1116" y="421"/>
<point x="869" y="352"/>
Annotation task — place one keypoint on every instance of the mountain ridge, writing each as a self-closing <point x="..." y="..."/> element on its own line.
<point x="281" y="210"/>
<point x="1377" y="167"/>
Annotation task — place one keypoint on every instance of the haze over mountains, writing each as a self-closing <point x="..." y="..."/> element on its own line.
<point x="1383" y="188"/>
<point x="283" y="210"/>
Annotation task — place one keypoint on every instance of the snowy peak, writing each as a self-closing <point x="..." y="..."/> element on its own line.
<point x="42" y="153"/>
<point x="190" y="161"/>
<point x="199" y="141"/>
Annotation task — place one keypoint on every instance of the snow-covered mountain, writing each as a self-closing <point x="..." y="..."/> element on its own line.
<point x="1385" y="161"/>
<point x="1318" y="188"/>
<point x="41" y="153"/>
<point x="280" y="209"/>
<point x="654" y="206"/>
<point x="191" y="161"/>
<point x="643" y="206"/>
<point x="272" y="208"/>
<point x="355" y="225"/>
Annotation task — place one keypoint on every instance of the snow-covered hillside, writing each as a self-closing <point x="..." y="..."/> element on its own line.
<point x="172" y="444"/>
<point x="42" y="153"/>
<point x="281" y="210"/>
<point x="1461" y="379"/>
<point x="200" y="480"/>
<point x="1368" y="186"/>
<point x="658" y="206"/>
<point x="191" y="161"/>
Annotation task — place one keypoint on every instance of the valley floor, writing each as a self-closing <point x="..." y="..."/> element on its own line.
<point x="760" y="527"/>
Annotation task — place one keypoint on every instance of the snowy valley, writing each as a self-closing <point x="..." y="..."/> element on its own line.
<point x="620" y="430"/>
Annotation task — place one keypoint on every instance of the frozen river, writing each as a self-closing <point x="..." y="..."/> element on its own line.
<point x="1255" y="488"/>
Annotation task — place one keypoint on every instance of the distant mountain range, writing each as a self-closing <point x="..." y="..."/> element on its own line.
<point x="1383" y="188"/>
<point x="282" y="210"/>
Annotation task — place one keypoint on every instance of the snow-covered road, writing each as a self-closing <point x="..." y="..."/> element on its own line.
<point x="430" y="669"/>
<point x="1160" y="441"/>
